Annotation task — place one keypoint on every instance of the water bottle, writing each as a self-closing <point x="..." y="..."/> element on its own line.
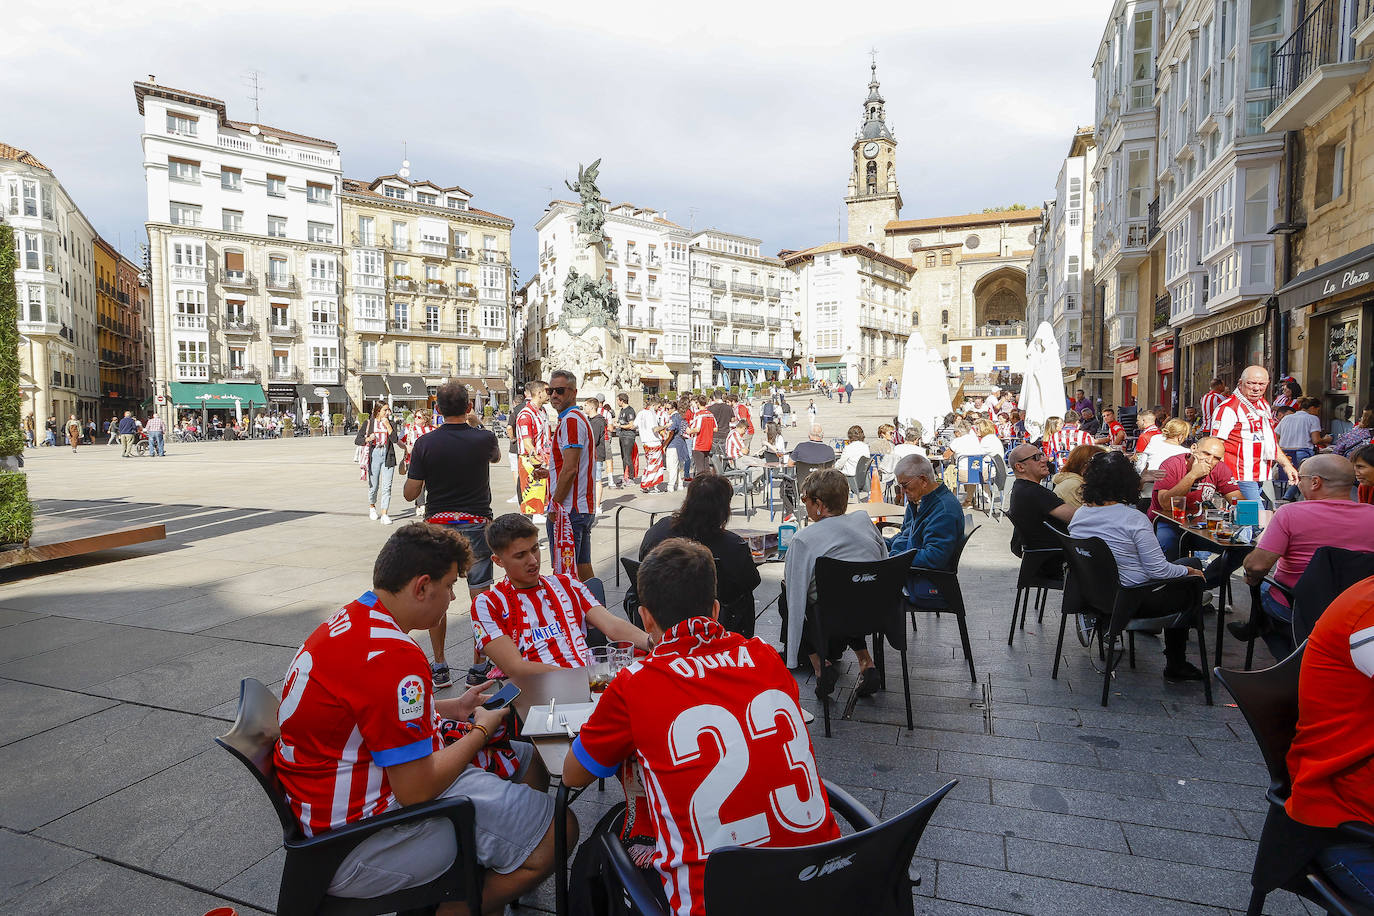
<point x="785" y="532"/>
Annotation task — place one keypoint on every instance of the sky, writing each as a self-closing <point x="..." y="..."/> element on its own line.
<point x="732" y="115"/>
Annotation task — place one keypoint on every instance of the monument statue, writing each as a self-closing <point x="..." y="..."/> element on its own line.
<point x="586" y="339"/>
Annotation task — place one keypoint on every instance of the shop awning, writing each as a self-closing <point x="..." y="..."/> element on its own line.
<point x="496" y="385"/>
<point x="744" y="362"/>
<point x="336" y="393"/>
<point x="654" y="371"/>
<point x="407" y="388"/>
<point x="374" y="388"/>
<point x="216" y="394"/>
<point x="475" y="384"/>
<point x="281" y="393"/>
<point x="1333" y="278"/>
<point x="829" y="365"/>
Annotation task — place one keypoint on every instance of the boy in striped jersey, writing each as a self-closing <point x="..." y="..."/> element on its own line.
<point x="360" y="736"/>
<point x="527" y="622"/>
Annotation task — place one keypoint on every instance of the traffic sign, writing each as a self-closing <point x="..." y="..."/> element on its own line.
<point x="161" y="399"/>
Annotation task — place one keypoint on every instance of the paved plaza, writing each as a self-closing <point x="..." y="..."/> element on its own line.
<point x="118" y="669"/>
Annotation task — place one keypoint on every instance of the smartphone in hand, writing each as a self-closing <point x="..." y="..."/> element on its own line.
<point x="502" y="698"/>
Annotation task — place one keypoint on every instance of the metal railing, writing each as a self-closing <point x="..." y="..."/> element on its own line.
<point x="290" y="329"/>
<point x="749" y="289"/>
<point x="612" y="256"/>
<point x="462" y="252"/>
<point x="747" y="318"/>
<point x="284" y="375"/>
<point x="243" y="372"/>
<point x="323" y="285"/>
<point x="717" y="283"/>
<point x="238" y="326"/>
<point x="284" y="282"/>
<point x="1152" y="220"/>
<point x="1163" y="309"/>
<point x="1315" y="41"/>
<point x="323" y="329"/>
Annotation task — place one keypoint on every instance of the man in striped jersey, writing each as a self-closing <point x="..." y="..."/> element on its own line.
<point x="1211" y="401"/>
<point x="571" y="486"/>
<point x="1244" y="423"/>
<point x="1070" y="436"/>
<point x="360" y="737"/>
<point x="528" y="623"/>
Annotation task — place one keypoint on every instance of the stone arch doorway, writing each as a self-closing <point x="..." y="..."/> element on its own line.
<point x="1000" y="298"/>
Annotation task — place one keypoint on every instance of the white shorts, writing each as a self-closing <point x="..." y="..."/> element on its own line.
<point x="511" y="820"/>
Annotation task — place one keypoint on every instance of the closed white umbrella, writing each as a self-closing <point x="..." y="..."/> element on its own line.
<point x="924" y="394"/>
<point x="1042" y="388"/>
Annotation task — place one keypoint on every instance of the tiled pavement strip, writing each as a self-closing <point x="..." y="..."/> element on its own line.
<point x="117" y="670"/>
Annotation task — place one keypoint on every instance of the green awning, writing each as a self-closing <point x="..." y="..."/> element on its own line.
<point x="830" y="365"/>
<point x="217" y="394"/>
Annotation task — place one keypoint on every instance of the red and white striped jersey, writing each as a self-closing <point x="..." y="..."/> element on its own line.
<point x="1069" y="438"/>
<point x="734" y="444"/>
<point x="1246" y="428"/>
<point x="547" y="623"/>
<point x="742" y="413"/>
<point x="356" y="699"/>
<point x="1210" y="402"/>
<point x="533" y="424"/>
<point x="573" y="452"/>
<point x="713" y="721"/>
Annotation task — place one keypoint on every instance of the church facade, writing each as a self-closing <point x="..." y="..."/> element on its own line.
<point x="964" y="285"/>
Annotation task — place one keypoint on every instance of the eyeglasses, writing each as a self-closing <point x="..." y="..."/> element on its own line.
<point x="1034" y="456"/>
<point x="559" y="389"/>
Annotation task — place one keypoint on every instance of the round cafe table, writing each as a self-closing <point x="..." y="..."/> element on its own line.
<point x="1213" y="544"/>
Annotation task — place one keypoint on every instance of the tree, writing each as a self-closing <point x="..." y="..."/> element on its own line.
<point x="1009" y="207"/>
<point x="16" y="512"/>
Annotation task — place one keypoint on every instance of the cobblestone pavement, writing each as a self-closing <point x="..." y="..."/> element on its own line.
<point x="116" y="671"/>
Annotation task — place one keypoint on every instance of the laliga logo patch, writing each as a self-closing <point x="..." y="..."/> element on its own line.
<point x="410" y="698"/>
<point x="828" y="867"/>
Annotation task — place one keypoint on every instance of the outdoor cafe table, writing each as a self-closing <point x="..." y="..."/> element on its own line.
<point x="653" y="504"/>
<point x="769" y="469"/>
<point x="1212" y="544"/>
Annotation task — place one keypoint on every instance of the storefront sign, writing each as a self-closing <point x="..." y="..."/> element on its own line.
<point x="1164" y="361"/>
<point x="1326" y="281"/>
<point x="1129" y="356"/>
<point x="1342" y="342"/>
<point x="1227" y="324"/>
<point x="281" y="392"/>
<point x="1131" y="368"/>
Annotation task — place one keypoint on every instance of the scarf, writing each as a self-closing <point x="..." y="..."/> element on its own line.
<point x="563" y="548"/>
<point x="456" y="518"/>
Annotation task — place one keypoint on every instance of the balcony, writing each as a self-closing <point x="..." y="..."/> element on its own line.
<point x="1313" y="69"/>
<point x="997" y="330"/>
<point x="402" y="245"/>
<point x="773" y="292"/>
<point x="465" y="291"/>
<point x="324" y="329"/>
<point x="433" y="249"/>
<point x="193" y="372"/>
<point x="289" y="329"/>
<point x="717" y="283"/>
<point x="367" y="281"/>
<point x="721" y="346"/>
<point x="279" y="282"/>
<point x="369" y="324"/>
<point x="243" y="373"/>
<point x="719" y="315"/>
<point x="654" y="291"/>
<point x="612" y="256"/>
<point x="774" y="322"/>
<point x="492" y="256"/>
<point x="431" y="370"/>
<point x="655" y="262"/>
<point x="363" y="240"/>
<point x="434" y="288"/>
<point x="323" y="376"/>
<point x="462" y="252"/>
<point x="1121" y="331"/>
<point x="548" y="254"/>
<point x="284" y="374"/>
<point x="238" y="326"/>
<point x="237" y="279"/>
<point x="633" y="289"/>
<point x="184" y="273"/>
<point x="188" y="323"/>
<point x="376" y="366"/>
<point x="1152" y="221"/>
<point x="492" y="334"/>
<point x="1162" y="312"/>
<point x="402" y="285"/>
<point x="747" y="318"/>
<point x="468" y="332"/>
<point x="632" y="257"/>
<point x="327" y="286"/>
<point x="747" y="289"/>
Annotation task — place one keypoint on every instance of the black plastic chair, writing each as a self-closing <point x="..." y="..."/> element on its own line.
<point x="1285" y="859"/>
<point x="866" y="872"/>
<point x="946" y="582"/>
<point x="800" y="470"/>
<point x="1092" y="587"/>
<point x="1330" y="571"/>
<point x="858" y="484"/>
<point x="856" y="598"/>
<point x="740" y="480"/>
<point x="1032" y="578"/>
<point x="631" y="601"/>
<point x="312" y="861"/>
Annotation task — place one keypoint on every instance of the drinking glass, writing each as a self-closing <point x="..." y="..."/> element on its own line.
<point x="622" y="654"/>
<point x="1178" y="505"/>
<point x="599" y="670"/>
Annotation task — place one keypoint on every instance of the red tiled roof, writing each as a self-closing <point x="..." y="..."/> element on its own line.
<point x="843" y="248"/>
<point x="15" y="154"/>
<point x="363" y="189"/>
<point x="967" y="219"/>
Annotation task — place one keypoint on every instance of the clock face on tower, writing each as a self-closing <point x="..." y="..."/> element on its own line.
<point x="870" y="149"/>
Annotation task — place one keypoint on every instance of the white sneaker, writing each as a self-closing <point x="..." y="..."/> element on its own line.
<point x="511" y="500"/>
<point x="386" y="519"/>
<point x="372" y="512"/>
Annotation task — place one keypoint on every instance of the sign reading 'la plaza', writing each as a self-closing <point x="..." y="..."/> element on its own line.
<point x="1348" y="279"/>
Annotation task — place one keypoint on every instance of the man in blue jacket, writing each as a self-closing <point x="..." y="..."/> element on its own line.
<point x="932" y="526"/>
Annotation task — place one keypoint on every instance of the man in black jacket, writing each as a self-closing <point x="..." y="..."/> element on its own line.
<point x="625" y="431"/>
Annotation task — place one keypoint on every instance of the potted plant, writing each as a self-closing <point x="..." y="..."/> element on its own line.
<point x="488" y="412"/>
<point x="288" y="429"/>
<point x="338" y="423"/>
<point x="316" y="426"/>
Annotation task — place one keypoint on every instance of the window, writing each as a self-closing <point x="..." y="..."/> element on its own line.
<point x="944" y="317"/>
<point x="400" y="314"/>
<point x="230" y="179"/>
<point x="400" y="236"/>
<point x="236" y="359"/>
<point x="1138" y="176"/>
<point x="946" y="258"/>
<point x="966" y="353"/>
<point x="1075" y="193"/>
<point x="493" y="362"/>
<point x="368" y="307"/>
<point x="1000" y="353"/>
<point x="432" y="319"/>
<point x="402" y="357"/>
<point x="492" y="282"/>
<point x="368" y="261"/>
<point x="276" y="186"/>
<point x="276" y="227"/>
<point x="277" y="272"/>
<point x="456" y="203"/>
<point x="324" y="358"/>
<point x="394" y="192"/>
<point x="464" y="360"/>
<point x="322" y="233"/>
<point x="317" y="193"/>
<point x="400" y="270"/>
<point x="182" y="125"/>
<point x="31" y="259"/>
<point x="186" y="254"/>
<point x="434" y="357"/>
<point x="630" y="343"/>
<point x="233" y="220"/>
<point x="281" y="362"/>
<point x="930" y="259"/>
<point x="184" y="214"/>
<point x="183" y="170"/>
<point x="1258" y="210"/>
<point x="193" y="357"/>
<point x="424" y="197"/>
<point x="1330" y="172"/>
<point x="367" y="231"/>
<point x="30" y="198"/>
<point x="235" y="311"/>
<point x="281" y="315"/>
<point x="369" y="354"/>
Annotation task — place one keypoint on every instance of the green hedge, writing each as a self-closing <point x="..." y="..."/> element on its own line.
<point x="16" y="512"/>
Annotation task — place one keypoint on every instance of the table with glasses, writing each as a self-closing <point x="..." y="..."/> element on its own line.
<point x="1217" y="535"/>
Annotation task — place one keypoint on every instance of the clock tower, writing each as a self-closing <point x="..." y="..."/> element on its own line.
<point x="873" y="199"/>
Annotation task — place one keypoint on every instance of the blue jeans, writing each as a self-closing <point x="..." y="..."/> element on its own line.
<point x="923" y="594"/>
<point x="379" y="480"/>
<point x="156" y="445"/>
<point x="1351" y="868"/>
<point x="1279" y="638"/>
<point x="1297" y="456"/>
<point x="582" y="534"/>
<point x="1250" y="489"/>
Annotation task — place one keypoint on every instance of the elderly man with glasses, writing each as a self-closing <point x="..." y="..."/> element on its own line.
<point x="932" y="526"/>
<point x="1326" y="516"/>
<point x="1031" y="505"/>
<point x="1245" y="423"/>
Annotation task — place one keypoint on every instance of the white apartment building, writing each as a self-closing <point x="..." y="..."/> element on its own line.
<point x="243" y="232"/>
<point x="1218" y="172"/>
<point x="59" y="371"/>
<point x="855" y="317"/>
<point x="1038" y="270"/>
<point x="742" y="310"/>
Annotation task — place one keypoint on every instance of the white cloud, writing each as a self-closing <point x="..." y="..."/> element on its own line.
<point x="742" y="111"/>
